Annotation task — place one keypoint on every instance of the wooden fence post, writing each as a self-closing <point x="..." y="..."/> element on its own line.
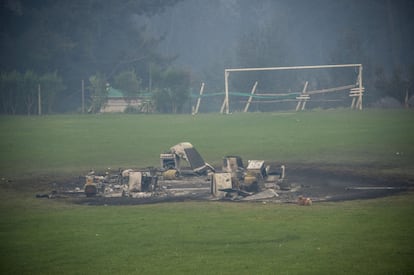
<point x="199" y="99"/>
<point x="250" y="98"/>
<point x="39" y="101"/>
<point x="83" y="96"/>
<point x="303" y="97"/>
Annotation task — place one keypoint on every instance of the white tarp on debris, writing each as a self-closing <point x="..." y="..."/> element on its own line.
<point x="220" y="181"/>
<point x="134" y="183"/>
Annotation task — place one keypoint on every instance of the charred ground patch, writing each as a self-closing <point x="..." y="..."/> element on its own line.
<point x="321" y="183"/>
<point x="332" y="183"/>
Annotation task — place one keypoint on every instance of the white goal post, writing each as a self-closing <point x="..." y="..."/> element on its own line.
<point x="355" y="93"/>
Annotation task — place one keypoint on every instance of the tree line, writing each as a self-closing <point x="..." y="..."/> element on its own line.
<point x="57" y="43"/>
<point x="168" y="92"/>
<point x="28" y="92"/>
<point x="77" y="40"/>
<point x="19" y="92"/>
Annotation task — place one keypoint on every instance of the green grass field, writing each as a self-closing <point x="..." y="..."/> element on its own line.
<point x="354" y="237"/>
<point x="68" y="144"/>
<point x="363" y="237"/>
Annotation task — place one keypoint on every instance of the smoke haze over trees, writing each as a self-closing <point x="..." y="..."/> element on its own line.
<point x="75" y="40"/>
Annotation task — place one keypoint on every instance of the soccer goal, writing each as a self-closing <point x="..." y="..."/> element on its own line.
<point x="307" y="93"/>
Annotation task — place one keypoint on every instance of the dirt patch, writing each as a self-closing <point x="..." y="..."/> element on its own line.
<point x="320" y="183"/>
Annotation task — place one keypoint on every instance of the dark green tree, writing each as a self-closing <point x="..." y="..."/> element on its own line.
<point x="263" y="47"/>
<point x="399" y="85"/>
<point x="51" y="88"/>
<point x="127" y="82"/>
<point x="19" y="92"/>
<point x="171" y="90"/>
<point x="10" y="92"/>
<point x="80" y="37"/>
<point x="98" y="91"/>
<point x="29" y="91"/>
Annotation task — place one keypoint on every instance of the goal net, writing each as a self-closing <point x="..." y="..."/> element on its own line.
<point x="297" y="88"/>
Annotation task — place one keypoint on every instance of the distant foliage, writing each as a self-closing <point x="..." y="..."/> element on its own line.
<point x="52" y="86"/>
<point x="78" y="38"/>
<point x="171" y="90"/>
<point x="132" y="110"/>
<point x="30" y="87"/>
<point x="128" y="82"/>
<point x="99" y="93"/>
<point x="19" y="92"/>
<point x="400" y="85"/>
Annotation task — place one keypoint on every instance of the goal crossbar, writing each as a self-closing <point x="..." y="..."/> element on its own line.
<point x="293" y="68"/>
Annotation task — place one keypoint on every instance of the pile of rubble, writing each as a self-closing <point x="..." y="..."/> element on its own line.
<point x="234" y="181"/>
